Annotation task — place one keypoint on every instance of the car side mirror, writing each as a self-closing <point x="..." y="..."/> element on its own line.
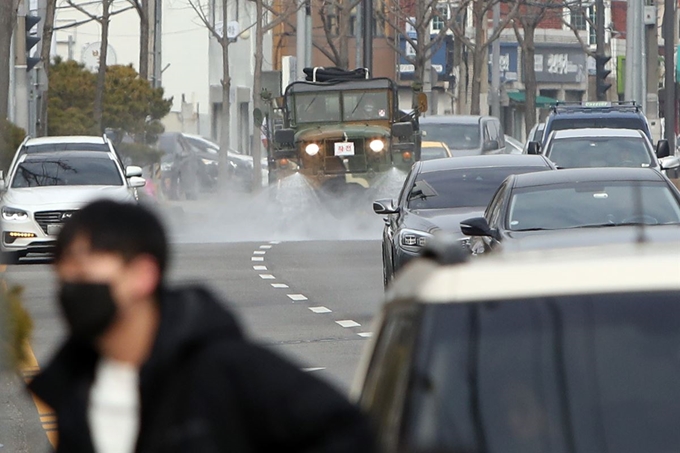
<point x="386" y="206"/>
<point x="136" y="182"/>
<point x="477" y="226"/>
<point x="490" y="145"/>
<point x="402" y="130"/>
<point x="534" y="148"/>
<point x="132" y="171"/>
<point x="285" y="137"/>
<point x="669" y="163"/>
<point x="663" y="149"/>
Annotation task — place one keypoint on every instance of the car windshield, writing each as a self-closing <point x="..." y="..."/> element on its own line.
<point x="456" y="136"/>
<point x="432" y="152"/>
<point x="81" y="171"/>
<point x="461" y="187"/>
<point x="317" y="107"/>
<point x="599" y="152"/>
<point x="575" y="205"/>
<point x="365" y="105"/>
<point x="560" y="124"/>
<point x="569" y="374"/>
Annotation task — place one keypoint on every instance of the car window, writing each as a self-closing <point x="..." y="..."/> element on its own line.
<point x="586" y="204"/>
<point x="389" y="372"/>
<point x="52" y="147"/>
<point x="456" y="136"/>
<point x="461" y="187"/>
<point x="599" y="152"/>
<point x="560" y="374"/>
<point x="565" y="122"/>
<point x="493" y="211"/>
<point x="57" y="171"/>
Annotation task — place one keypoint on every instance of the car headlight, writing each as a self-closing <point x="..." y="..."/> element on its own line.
<point x="413" y="240"/>
<point x="13" y="214"/>
<point x="312" y="149"/>
<point x="377" y="145"/>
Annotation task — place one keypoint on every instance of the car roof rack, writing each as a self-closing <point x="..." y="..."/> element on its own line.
<point x="598" y="106"/>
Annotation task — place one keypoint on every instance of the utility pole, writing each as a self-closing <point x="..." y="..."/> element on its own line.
<point x="635" y="53"/>
<point x="20" y="70"/>
<point x="157" y="42"/>
<point x="669" y="51"/>
<point x="308" y="33"/>
<point x="300" y="48"/>
<point x="495" y="65"/>
<point x="367" y="16"/>
<point x="358" y="31"/>
<point x="651" y="87"/>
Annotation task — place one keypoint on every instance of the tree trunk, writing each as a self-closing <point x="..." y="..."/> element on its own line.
<point x="478" y="61"/>
<point x="144" y="40"/>
<point x="8" y="18"/>
<point x="257" y="96"/>
<point x="225" y="143"/>
<point x="45" y="51"/>
<point x="98" y="110"/>
<point x="478" y="54"/>
<point x="528" y="51"/>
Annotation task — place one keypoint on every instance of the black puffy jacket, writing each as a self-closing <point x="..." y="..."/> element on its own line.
<point x="206" y="389"/>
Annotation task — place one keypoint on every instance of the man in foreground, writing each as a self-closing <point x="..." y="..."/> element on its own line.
<point x="151" y="369"/>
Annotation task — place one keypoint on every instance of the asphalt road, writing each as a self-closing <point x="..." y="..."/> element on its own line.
<point x="312" y="301"/>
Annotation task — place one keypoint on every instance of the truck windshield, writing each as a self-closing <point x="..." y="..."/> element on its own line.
<point x="566" y="374"/>
<point x="365" y="105"/>
<point x="318" y="107"/>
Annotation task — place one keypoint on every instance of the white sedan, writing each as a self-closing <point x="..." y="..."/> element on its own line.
<point x="44" y="190"/>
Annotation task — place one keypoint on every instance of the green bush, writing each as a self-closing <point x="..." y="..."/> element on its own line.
<point x="11" y="137"/>
<point x="15" y="329"/>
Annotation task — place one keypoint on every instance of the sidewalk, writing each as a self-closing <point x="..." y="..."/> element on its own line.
<point x="20" y="427"/>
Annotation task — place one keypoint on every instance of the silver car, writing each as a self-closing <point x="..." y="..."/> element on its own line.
<point x="44" y="189"/>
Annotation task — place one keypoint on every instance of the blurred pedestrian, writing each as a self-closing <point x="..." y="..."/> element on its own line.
<point x="150" y="369"/>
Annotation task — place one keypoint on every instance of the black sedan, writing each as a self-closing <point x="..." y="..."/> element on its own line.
<point x="576" y="199"/>
<point x="437" y="195"/>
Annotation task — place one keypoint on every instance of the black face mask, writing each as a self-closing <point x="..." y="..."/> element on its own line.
<point x="89" y="309"/>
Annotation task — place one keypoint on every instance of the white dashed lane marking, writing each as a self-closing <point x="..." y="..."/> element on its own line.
<point x="267" y="277"/>
<point x="365" y="334"/>
<point x="274" y="242"/>
<point x="348" y="323"/>
<point x="260" y="268"/>
<point x="279" y="285"/>
<point x="265" y="247"/>
<point x="319" y="368"/>
<point x="320" y="310"/>
<point x="259" y="252"/>
<point x="297" y="297"/>
<point x="256" y="258"/>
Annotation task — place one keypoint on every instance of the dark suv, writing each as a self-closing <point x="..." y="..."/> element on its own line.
<point x="558" y="351"/>
<point x="611" y="115"/>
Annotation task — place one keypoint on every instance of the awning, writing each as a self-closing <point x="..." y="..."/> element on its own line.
<point x="542" y="102"/>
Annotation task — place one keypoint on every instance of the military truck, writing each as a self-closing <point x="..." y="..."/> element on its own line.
<point x="343" y="130"/>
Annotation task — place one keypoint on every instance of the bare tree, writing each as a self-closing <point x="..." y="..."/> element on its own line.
<point x="478" y="46"/>
<point x="531" y="14"/>
<point x="576" y="8"/>
<point x="336" y="19"/>
<point x="221" y="37"/>
<point x="45" y="50"/>
<point x="8" y="18"/>
<point x="142" y="8"/>
<point x="103" y="20"/>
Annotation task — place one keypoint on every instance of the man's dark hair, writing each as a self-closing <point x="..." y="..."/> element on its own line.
<point x="126" y="229"/>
